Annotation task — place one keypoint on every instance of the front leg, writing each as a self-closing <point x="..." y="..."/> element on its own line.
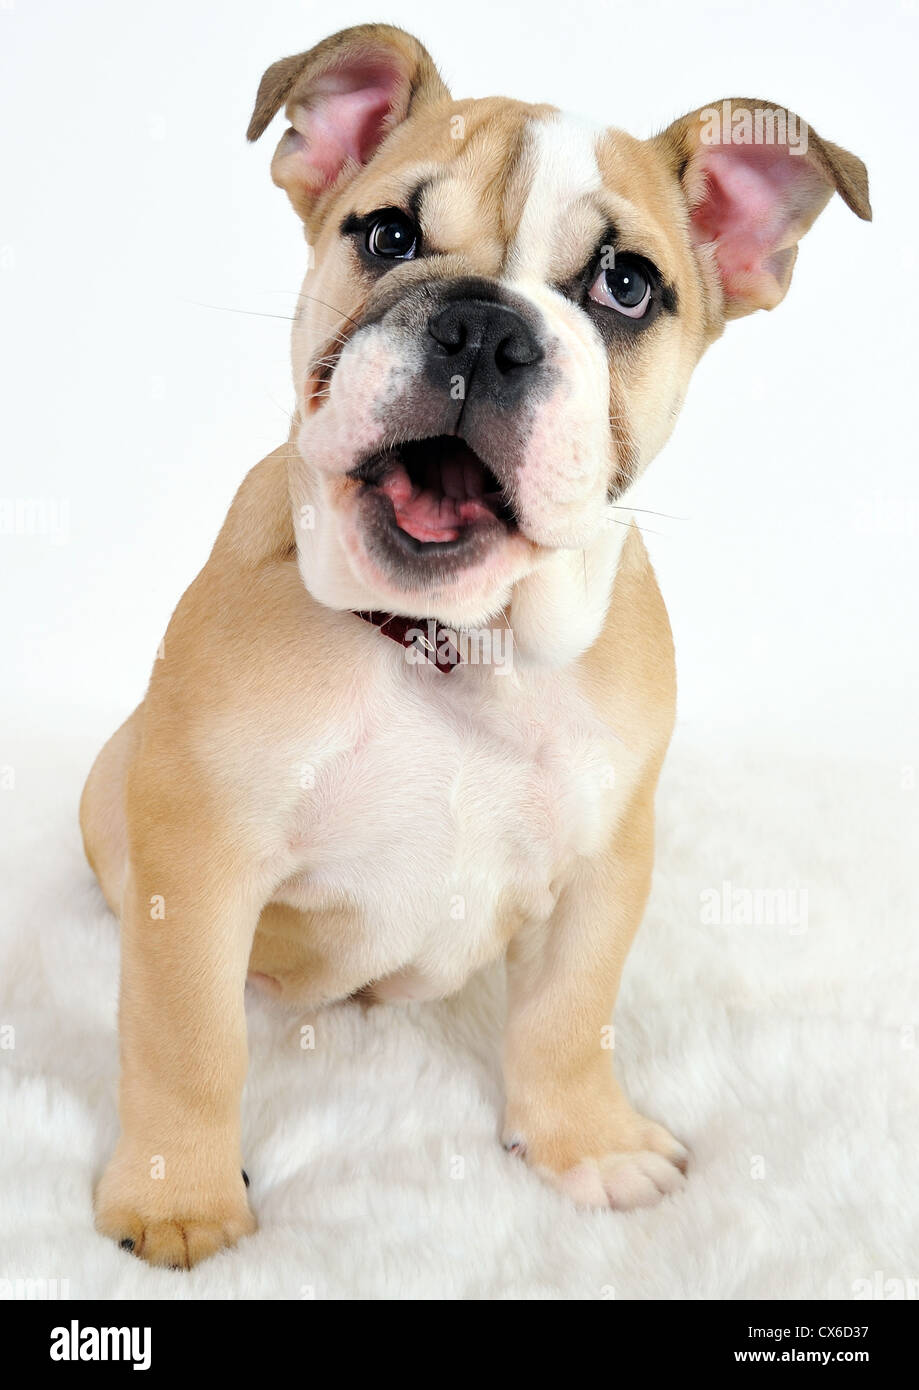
<point x="173" y="1191"/>
<point x="565" y="1113"/>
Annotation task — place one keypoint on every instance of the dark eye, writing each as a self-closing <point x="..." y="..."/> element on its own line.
<point x="392" y="235"/>
<point x="623" y="286"/>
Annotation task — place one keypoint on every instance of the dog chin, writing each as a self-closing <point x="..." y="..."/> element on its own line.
<point x="462" y="583"/>
<point x="422" y="528"/>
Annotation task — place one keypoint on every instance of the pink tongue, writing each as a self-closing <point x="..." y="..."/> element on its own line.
<point x="435" y="515"/>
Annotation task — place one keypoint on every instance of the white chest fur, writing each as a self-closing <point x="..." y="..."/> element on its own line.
<point x="441" y="808"/>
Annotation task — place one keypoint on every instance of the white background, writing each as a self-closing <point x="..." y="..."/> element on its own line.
<point x="130" y="201"/>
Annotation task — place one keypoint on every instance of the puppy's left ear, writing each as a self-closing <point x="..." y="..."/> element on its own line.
<point x="342" y="99"/>
<point x="755" y="178"/>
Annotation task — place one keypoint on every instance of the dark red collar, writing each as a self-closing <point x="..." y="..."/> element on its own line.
<point x="424" y="636"/>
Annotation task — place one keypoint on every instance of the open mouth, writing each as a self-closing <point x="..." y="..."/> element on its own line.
<point x="437" y="493"/>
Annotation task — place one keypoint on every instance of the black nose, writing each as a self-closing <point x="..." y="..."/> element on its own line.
<point x="490" y="348"/>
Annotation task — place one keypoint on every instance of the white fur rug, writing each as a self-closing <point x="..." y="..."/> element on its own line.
<point x="785" y="1057"/>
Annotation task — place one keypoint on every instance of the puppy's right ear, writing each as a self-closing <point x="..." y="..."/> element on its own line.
<point x="342" y="99"/>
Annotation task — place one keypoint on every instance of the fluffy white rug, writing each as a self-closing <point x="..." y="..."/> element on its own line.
<point x="786" y="1058"/>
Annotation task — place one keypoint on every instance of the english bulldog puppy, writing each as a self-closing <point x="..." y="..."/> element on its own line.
<point x="409" y="718"/>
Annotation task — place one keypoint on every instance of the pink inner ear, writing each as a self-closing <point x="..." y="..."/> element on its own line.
<point x="758" y="200"/>
<point x="346" y="117"/>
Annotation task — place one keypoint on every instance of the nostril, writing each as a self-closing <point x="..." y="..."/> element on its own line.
<point x="448" y="330"/>
<point x="516" y="350"/>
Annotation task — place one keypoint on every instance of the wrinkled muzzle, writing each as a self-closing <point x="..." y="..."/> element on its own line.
<point x="460" y="431"/>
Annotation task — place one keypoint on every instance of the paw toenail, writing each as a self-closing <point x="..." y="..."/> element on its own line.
<point x="245" y="1177"/>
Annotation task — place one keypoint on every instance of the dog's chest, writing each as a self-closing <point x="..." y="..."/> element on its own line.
<point x="446" y="810"/>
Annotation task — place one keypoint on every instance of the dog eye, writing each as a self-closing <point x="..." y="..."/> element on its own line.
<point x="623" y="286"/>
<point x="392" y="236"/>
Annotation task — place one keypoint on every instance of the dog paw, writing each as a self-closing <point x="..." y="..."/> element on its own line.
<point x="168" y="1231"/>
<point x="621" y="1180"/>
<point x="637" y="1169"/>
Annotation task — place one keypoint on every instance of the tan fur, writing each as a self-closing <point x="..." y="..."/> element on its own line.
<point x="562" y="1092"/>
<point x="188" y="830"/>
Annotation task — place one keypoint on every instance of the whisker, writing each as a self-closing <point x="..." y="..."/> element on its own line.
<point x="301" y="294"/>
<point x="645" y="530"/>
<point x="624" y="507"/>
<point x="229" y="309"/>
<point x="326" y="305"/>
<point x="289" y="414"/>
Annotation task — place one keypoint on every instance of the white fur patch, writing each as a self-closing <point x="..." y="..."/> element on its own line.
<point x="442" y="801"/>
<point x="563" y="156"/>
<point x="558" y="611"/>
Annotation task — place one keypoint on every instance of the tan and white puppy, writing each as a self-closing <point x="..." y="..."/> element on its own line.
<point x="502" y="313"/>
